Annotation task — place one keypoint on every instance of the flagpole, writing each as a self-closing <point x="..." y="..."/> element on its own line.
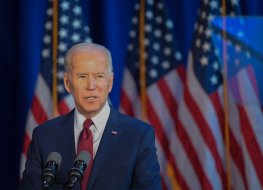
<point x="225" y="95"/>
<point x="54" y="57"/>
<point x="142" y="82"/>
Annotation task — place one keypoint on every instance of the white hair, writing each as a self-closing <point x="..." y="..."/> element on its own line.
<point x="87" y="46"/>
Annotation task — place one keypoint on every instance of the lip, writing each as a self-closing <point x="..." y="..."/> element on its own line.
<point x="90" y="98"/>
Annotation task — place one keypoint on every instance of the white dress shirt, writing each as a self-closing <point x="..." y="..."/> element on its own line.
<point x="97" y="128"/>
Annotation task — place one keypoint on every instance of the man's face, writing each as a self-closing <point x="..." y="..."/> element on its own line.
<point x="89" y="81"/>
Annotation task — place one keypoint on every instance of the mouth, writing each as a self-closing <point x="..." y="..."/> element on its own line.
<point x="90" y="98"/>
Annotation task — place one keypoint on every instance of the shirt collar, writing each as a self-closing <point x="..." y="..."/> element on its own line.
<point x="99" y="120"/>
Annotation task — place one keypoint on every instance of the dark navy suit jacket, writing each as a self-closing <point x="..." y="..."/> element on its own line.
<point x="126" y="160"/>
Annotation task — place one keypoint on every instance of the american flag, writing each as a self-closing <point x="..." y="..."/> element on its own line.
<point x="71" y="29"/>
<point x="246" y="118"/>
<point x="164" y="78"/>
<point x="202" y="112"/>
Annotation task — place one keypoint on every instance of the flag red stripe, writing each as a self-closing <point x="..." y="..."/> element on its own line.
<point x="37" y="111"/>
<point x="235" y="149"/>
<point x="26" y="144"/>
<point x="182" y="134"/>
<point x="237" y="156"/>
<point x="206" y="133"/>
<point x="164" y="187"/>
<point x="153" y="117"/>
<point x="252" y="78"/>
<point x="251" y="143"/>
<point x="214" y="97"/>
<point x="63" y="107"/>
<point x="181" y="71"/>
<point x="126" y="103"/>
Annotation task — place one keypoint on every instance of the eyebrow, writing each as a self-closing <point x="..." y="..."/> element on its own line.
<point x="81" y="73"/>
<point x="98" y="73"/>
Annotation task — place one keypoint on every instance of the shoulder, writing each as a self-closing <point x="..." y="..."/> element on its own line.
<point x="56" y="122"/>
<point x="128" y="123"/>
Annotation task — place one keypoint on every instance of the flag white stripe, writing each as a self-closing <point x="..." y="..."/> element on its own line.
<point x="206" y="109"/>
<point x="175" y="146"/>
<point x="130" y="89"/>
<point x="158" y="104"/>
<point x="31" y="124"/>
<point x="236" y="179"/>
<point x="251" y="175"/>
<point x="22" y="164"/>
<point x="131" y="92"/>
<point x="206" y="158"/>
<point x="163" y="163"/>
<point x="183" y="163"/>
<point x="234" y="121"/>
<point x="175" y="84"/>
<point x="44" y="96"/>
<point x="69" y="101"/>
<point x="252" y="105"/>
<point x="254" y="115"/>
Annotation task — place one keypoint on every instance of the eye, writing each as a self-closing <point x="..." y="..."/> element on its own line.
<point x="99" y="76"/>
<point x="81" y="76"/>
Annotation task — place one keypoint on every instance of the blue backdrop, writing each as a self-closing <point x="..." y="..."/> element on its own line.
<point x="22" y="27"/>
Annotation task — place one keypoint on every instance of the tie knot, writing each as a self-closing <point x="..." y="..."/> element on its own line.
<point x="87" y="123"/>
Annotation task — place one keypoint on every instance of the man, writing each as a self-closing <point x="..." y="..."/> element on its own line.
<point x="123" y="151"/>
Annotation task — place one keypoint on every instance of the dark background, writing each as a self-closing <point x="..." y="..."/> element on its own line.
<point x="22" y="27"/>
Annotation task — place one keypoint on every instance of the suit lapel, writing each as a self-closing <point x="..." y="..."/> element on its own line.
<point x="65" y="135"/>
<point x="109" y="138"/>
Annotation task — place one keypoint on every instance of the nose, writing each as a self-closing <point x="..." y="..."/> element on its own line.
<point x="90" y="83"/>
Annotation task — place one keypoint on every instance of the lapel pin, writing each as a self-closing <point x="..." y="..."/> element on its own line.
<point x="114" y="132"/>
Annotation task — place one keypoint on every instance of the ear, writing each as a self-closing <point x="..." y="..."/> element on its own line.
<point x="111" y="77"/>
<point x="66" y="82"/>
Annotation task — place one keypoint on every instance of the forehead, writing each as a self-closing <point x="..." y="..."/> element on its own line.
<point x="89" y="51"/>
<point x="89" y="59"/>
<point x="89" y="55"/>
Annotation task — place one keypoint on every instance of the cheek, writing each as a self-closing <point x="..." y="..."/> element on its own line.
<point x="75" y="87"/>
<point x="102" y="89"/>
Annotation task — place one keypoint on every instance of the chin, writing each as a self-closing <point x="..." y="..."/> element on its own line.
<point x="91" y="110"/>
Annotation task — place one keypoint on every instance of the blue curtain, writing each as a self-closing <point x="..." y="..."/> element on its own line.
<point x="22" y="27"/>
